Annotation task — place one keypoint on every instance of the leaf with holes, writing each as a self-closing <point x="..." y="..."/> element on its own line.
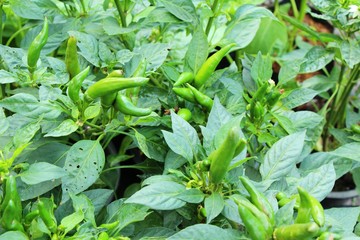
<point x="84" y="163"/>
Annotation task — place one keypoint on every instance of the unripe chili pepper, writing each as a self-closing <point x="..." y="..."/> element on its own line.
<point x="103" y="236"/>
<point x="71" y="57"/>
<point x="36" y="45"/>
<point x="220" y="159"/>
<point x="111" y="85"/>
<point x="285" y="200"/>
<point x="296" y="231"/>
<point x="109" y="226"/>
<point x="316" y="209"/>
<point x="355" y="128"/>
<point x="201" y="98"/>
<point x="31" y="216"/>
<point x="253" y="225"/>
<point x="75" y="84"/>
<point x="258" y="199"/>
<point x="261" y="216"/>
<point x="46" y="212"/>
<point x="124" y="105"/>
<point x="185" y="113"/>
<point x="108" y="100"/>
<point x="257" y="113"/>
<point x="210" y="65"/>
<point x="185" y="93"/>
<point x="116" y="73"/>
<point x="11" y="193"/>
<point x="240" y="146"/>
<point x="273" y="98"/>
<point x="9" y="219"/>
<point x="185" y="77"/>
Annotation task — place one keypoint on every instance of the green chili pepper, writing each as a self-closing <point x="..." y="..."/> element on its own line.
<point x="71" y="57"/>
<point x="75" y="84"/>
<point x="220" y="159"/>
<point x="355" y="128"/>
<point x="11" y="193"/>
<point x="240" y="146"/>
<point x="10" y="219"/>
<point x="201" y="98"/>
<point x="258" y="199"/>
<point x="185" y="113"/>
<point x="285" y="200"/>
<point x="210" y="65"/>
<point x="109" y="226"/>
<point x="299" y="231"/>
<point x="46" y="212"/>
<point x="257" y="113"/>
<point x="31" y="216"/>
<point x="185" y="93"/>
<point x="111" y="85"/>
<point x="125" y="106"/>
<point x="316" y="210"/>
<point x="103" y="236"/>
<point x="185" y="77"/>
<point x="258" y="214"/>
<point x="108" y="100"/>
<point x="36" y="45"/>
<point x="253" y="225"/>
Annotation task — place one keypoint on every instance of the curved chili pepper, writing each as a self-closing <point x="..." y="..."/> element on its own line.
<point x="109" y="226"/>
<point x="261" y="216"/>
<point x="185" y="77"/>
<point x="210" y="65"/>
<point x="125" y="106"/>
<point x="10" y="219"/>
<point x="75" y="84"/>
<point x="103" y="236"/>
<point x="316" y="210"/>
<point x="46" y="212"/>
<point x="296" y="231"/>
<point x="201" y="98"/>
<point x="36" y="45"/>
<point x="258" y="199"/>
<point x="140" y="71"/>
<point x="111" y="85"/>
<point x="71" y="57"/>
<point x="31" y="216"/>
<point x="329" y="236"/>
<point x="220" y="159"/>
<point x="11" y="193"/>
<point x="185" y="93"/>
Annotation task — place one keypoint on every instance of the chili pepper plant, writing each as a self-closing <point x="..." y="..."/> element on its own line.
<point x="177" y="119"/>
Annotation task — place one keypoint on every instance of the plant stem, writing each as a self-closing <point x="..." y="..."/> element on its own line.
<point x="83" y="6"/>
<point x="295" y="9"/>
<point x="121" y="13"/>
<point x="211" y="19"/>
<point x="1" y="22"/>
<point x="302" y="10"/>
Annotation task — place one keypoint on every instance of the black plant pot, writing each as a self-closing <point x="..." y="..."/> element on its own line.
<point x="348" y="198"/>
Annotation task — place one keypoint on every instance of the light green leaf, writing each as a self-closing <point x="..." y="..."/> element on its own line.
<point x="261" y="69"/>
<point x="84" y="163"/>
<point x="92" y="111"/>
<point x="204" y="232"/>
<point x="192" y="195"/>
<point x="315" y="59"/>
<point x="282" y="157"/>
<point x="298" y="97"/>
<point x="159" y="196"/>
<point x="41" y="172"/>
<point x="350" y="51"/>
<point x="13" y="235"/>
<point x="214" y="204"/>
<point x="71" y="221"/>
<point x="65" y="128"/>
<point x="350" y="151"/>
<point x="7" y="77"/>
<point x="182" y="9"/>
<point x="197" y="51"/>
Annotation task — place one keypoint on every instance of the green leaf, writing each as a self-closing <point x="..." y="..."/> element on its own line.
<point x="41" y="172"/>
<point x="71" y="221"/>
<point x="27" y="9"/>
<point x="342" y="219"/>
<point x="125" y="213"/>
<point x="65" y="128"/>
<point x="99" y="198"/>
<point x="6" y="77"/>
<point x="231" y="211"/>
<point x="350" y="52"/>
<point x="282" y="157"/>
<point x="197" y="51"/>
<point x="28" y="105"/>
<point x="159" y="196"/>
<point x="161" y="15"/>
<point x="154" y="53"/>
<point x="92" y="111"/>
<point x="192" y="195"/>
<point x="320" y="181"/>
<point x="214" y="204"/>
<point x="242" y="32"/>
<point x="350" y="151"/>
<point x="13" y="235"/>
<point x="182" y="9"/>
<point x="89" y="47"/>
<point x="204" y="232"/>
<point x="173" y="161"/>
<point x="26" y="133"/>
<point x="315" y="59"/>
<point x="284" y="216"/>
<point x="84" y="163"/>
<point x="288" y="71"/>
<point x="298" y="97"/>
<point x="261" y="69"/>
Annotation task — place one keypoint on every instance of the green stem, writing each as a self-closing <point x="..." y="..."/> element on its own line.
<point x="211" y="19"/>
<point x="83" y="6"/>
<point x="302" y="12"/>
<point x="8" y="42"/>
<point x="295" y="9"/>
<point x="121" y="13"/>
<point x="276" y="9"/>
<point x="1" y="22"/>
